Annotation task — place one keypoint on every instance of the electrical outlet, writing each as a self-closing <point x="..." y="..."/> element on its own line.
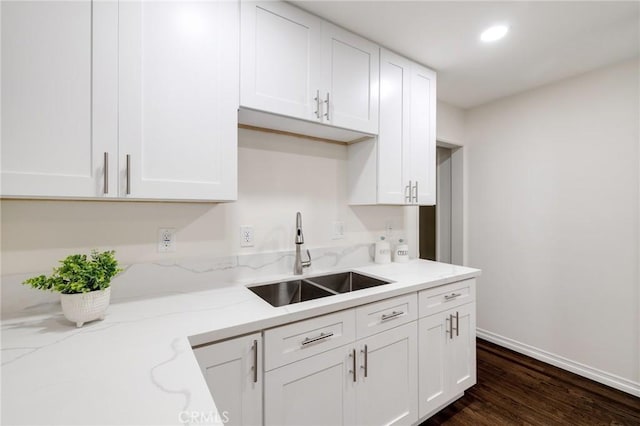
<point x="166" y="240"/>
<point x="338" y="230"/>
<point x="246" y="236"/>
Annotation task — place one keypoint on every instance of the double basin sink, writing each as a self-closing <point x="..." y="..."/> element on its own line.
<point x="301" y="290"/>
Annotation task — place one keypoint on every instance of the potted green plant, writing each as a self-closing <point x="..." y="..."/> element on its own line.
<point x="83" y="283"/>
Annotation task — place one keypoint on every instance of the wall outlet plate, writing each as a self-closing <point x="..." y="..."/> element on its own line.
<point x="246" y="236"/>
<point x="166" y="240"/>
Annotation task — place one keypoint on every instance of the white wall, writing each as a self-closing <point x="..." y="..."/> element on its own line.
<point x="278" y="176"/>
<point x="450" y="124"/>
<point x="553" y="212"/>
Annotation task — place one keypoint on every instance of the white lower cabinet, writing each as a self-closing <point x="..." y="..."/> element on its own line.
<point x="314" y="391"/>
<point x="447" y="356"/>
<point x="371" y="382"/>
<point x="233" y="372"/>
<point x="392" y="362"/>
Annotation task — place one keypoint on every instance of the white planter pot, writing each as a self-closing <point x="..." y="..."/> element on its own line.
<point x="84" y="307"/>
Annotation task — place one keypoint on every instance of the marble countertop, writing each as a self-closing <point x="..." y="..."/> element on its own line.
<point x="137" y="367"/>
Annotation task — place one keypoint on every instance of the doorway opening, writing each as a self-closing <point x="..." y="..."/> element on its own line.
<point x="440" y="226"/>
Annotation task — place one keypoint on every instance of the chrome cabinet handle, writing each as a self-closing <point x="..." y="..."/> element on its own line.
<point x="255" y="361"/>
<point x="322" y="336"/>
<point x="450" y="331"/>
<point x="415" y="197"/>
<point x="317" y="99"/>
<point x="457" y="324"/>
<point x="407" y="193"/>
<point x="105" y="173"/>
<point x="128" y="174"/>
<point x="393" y="314"/>
<point x="326" y="114"/>
<point x="365" y="352"/>
<point x="353" y="370"/>
<point x="451" y="296"/>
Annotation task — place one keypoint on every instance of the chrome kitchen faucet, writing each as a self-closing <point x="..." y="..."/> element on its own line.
<point x="299" y="263"/>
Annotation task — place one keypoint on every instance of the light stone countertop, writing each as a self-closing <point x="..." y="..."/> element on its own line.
<point x="136" y="367"/>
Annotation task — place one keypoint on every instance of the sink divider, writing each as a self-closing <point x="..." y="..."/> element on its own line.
<point x="320" y="286"/>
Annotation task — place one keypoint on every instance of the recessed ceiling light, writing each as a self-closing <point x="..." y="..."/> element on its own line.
<point x="494" y="33"/>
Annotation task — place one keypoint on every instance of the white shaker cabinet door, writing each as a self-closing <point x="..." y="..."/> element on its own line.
<point x="319" y="390"/>
<point x="178" y="99"/>
<point x="393" y="139"/>
<point x="422" y="150"/>
<point x="59" y="127"/>
<point x="280" y="62"/>
<point x="462" y="353"/>
<point x="233" y="372"/>
<point x="387" y="391"/>
<point x="434" y="389"/>
<point x="351" y="67"/>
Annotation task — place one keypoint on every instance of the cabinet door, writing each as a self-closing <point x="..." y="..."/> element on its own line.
<point x="280" y="62"/>
<point x="393" y="138"/>
<point x="462" y="350"/>
<point x="351" y="67"/>
<point x="178" y="93"/>
<point x="58" y="119"/>
<point x="233" y="372"/>
<point x="319" y="390"/>
<point x="388" y="378"/>
<point x="433" y="379"/>
<point x="422" y="152"/>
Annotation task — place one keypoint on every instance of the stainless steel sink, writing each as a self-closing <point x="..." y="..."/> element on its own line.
<point x="346" y="282"/>
<point x="289" y="292"/>
<point x="296" y="291"/>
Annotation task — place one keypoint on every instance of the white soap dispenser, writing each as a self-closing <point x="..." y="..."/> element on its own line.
<point x="401" y="252"/>
<point x="382" y="251"/>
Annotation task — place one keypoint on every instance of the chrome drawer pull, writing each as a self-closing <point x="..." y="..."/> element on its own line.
<point x="322" y="336"/>
<point x="393" y="314"/>
<point x="451" y="296"/>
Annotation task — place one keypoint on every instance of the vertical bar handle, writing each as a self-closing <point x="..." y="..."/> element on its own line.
<point x="326" y="114"/>
<point x="353" y="370"/>
<point x="457" y="324"/>
<point x="317" y="99"/>
<point x="366" y="361"/>
<point x="128" y="174"/>
<point x="255" y="361"/>
<point x="450" y="319"/>
<point x="105" y="173"/>
<point x="407" y="189"/>
<point x="415" y="197"/>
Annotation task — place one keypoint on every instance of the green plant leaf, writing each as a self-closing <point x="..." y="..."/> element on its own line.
<point x="79" y="274"/>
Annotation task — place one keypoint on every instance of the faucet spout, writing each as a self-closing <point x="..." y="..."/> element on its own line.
<point x="299" y="235"/>
<point x="299" y="240"/>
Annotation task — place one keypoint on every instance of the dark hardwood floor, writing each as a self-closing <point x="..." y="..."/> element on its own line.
<point x="514" y="389"/>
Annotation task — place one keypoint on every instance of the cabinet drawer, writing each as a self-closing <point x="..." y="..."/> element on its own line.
<point x="380" y="316"/>
<point x="441" y="298"/>
<point x="292" y="342"/>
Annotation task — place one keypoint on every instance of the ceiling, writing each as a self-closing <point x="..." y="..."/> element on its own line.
<point x="547" y="41"/>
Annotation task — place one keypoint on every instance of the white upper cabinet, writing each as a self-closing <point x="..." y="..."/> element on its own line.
<point x="120" y="99"/>
<point x="422" y="146"/>
<point x="400" y="167"/>
<point x="178" y="99"/>
<point x="280" y="59"/>
<point x="296" y="65"/>
<point x="351" y="80"/>
<point x="59" y="123"/>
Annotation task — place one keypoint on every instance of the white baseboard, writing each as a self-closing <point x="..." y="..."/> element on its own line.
<point x="594" y="374"/>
